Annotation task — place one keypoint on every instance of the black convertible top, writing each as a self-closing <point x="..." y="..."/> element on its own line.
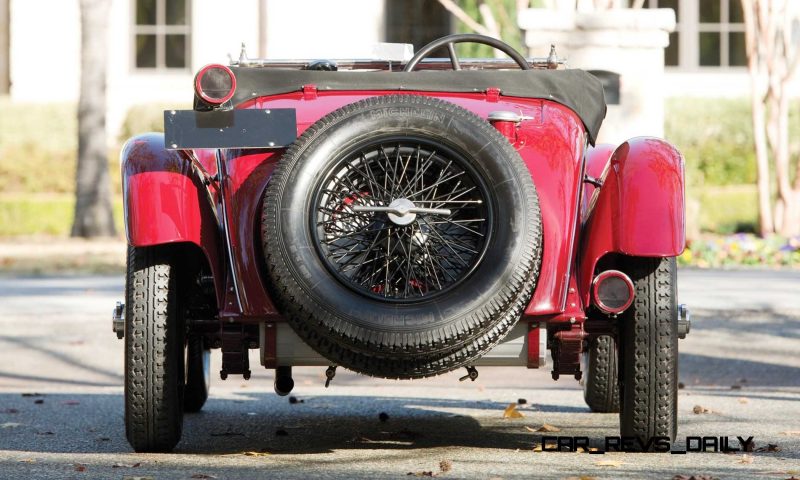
<point x="576" y="89"/>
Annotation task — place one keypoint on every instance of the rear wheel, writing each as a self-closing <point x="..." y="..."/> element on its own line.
<point x="600" y="386"/>
<point x="154" y="352"/>
<point x="648" y="351"/>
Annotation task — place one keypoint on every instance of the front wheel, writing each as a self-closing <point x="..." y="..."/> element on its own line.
<point x="198" y="374"/>
<point x="600" y="384"/>
<point x="648" y="351"/>
<point x="154" y="352"/>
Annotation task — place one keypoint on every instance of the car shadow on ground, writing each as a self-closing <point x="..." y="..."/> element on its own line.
<point x="263" y="422"/>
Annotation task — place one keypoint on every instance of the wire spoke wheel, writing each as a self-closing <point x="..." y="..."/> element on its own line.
<point x="402" y="236"/>
<point x="401" y="220"/>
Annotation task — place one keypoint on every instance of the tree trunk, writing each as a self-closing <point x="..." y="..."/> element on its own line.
<point x="5" y="47"/>
<point x="753" y="12"/>
<point x="93" y="212"/>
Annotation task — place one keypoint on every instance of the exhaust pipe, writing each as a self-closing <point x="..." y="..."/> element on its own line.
<point x="283" y="381"/>
<point x="612" y="292"/>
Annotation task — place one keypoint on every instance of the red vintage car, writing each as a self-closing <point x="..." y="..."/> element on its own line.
<point x="400" y="220"/>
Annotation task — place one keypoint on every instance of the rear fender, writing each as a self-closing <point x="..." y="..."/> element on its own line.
<point x="638" y="210"/>
<point x="165" y="201"/>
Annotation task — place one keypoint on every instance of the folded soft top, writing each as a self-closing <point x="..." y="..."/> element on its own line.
<point x="576" y="89"/>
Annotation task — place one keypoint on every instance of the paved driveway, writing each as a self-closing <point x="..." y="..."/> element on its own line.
<point x="61" y="402"/>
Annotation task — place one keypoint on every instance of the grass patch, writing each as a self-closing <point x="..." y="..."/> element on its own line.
<point x="43" y="214"/>
<point x="727" y="209"/>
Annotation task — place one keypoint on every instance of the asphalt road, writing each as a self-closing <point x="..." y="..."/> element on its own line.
<point x="61" y="405"/>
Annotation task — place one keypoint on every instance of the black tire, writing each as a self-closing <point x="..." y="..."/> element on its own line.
<point x="198" y="374"/>
<point x="400" y="337"/>
<point x="154" y="352"/>
<point x="648" y="351"/>
<point x="600" y="385"/>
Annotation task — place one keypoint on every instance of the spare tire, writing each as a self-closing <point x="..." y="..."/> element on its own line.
<point x="402" y="236"/>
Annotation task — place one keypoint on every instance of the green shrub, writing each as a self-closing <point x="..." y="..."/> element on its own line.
<point x="716" y="138"/>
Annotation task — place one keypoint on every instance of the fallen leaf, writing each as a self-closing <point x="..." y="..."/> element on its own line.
<point x="39" y="401"/>
<point x="522" y="401"/>
<point x="32" y="394"/>
<point x="48" y="432"/>
<point x="27" y="460"/>
<point x="609" y="463"/>
<point x="537" y="448"/>
<point x="743" y="400"/>
<point x="104" y="439"/>
<point x="10" y="425"/>
<point x="746" y="459"/>
<point x="79" y="467"/>
<point x="681" y="386"/>
<point x="421" y="474"/>
<point x="698" y="409"/>
<point x="445" y="466"/>
<point x="512" y="412"/>
<point x="10" y="410"/>
<point x="771" y="447"/>
<point x="791" y="432"/>
<point x="530" y="429"/>
<point x="256" y="454"/>
<point x="548" y="428"/>
<point x="294" y="400"/>
<point x="736" y="387"/>
<point x="202" y="475"/>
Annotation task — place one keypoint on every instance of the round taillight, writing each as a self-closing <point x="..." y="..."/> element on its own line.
<point x="215" y="84"/>
<point x="612" y="291"/>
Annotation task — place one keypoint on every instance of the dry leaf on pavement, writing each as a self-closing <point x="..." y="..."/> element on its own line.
<point x="771" y="447"/>
<point x="548" y="428"/>
<point x="256" y="454"/>
<point x="512" y="412"/>
<point x="746" y="459"/>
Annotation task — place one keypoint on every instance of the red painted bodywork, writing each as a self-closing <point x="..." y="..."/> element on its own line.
<point x="638" y="211"/>
<point x="166" y="202"/>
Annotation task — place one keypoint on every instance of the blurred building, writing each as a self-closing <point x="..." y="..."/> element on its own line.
<point x="155" y="46"/>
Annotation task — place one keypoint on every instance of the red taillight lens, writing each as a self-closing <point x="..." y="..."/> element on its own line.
<point x="612" y="291"/>
<point x="215" y="84"/>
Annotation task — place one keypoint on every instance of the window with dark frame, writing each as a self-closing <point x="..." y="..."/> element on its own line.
<point x="708" y="34"/>
<point x="161" y="34"/>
